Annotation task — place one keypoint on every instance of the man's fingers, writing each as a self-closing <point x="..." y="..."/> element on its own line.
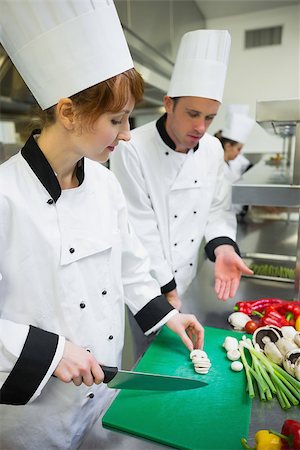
<point x="217" y="285"/>
<point x="243" y="268"/>
<point x="221" y="290"/>
<point x="226" y="290"/>
<point x="234" y="287"/>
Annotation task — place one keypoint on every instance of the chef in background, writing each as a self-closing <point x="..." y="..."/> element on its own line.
<point x="172" y="174"/>
<point x="237" y="129"/>
<point x="69" y="259"/>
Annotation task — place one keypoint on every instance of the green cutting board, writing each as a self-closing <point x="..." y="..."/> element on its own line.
<point x="214" y="417"/>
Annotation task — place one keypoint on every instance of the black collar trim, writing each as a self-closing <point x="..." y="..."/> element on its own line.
<point x="161" y="128"/>
<point x="32" y="153"/>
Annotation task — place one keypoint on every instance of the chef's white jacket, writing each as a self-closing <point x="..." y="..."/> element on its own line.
<point x="69" y="261"/>
<point x="174" y="200"/>
<point x="233" y="170"/>
<point x="239" y="165"/>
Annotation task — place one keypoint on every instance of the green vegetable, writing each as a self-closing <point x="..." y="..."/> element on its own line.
<point x="267" y="378"/>
<point x="273" y="271"/>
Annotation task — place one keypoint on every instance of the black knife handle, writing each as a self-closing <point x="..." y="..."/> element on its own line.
<point x="109" y="373"/>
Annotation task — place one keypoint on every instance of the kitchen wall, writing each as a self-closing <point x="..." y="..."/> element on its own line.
<point x="263" y="73"/>
<point x="161" y="24"/>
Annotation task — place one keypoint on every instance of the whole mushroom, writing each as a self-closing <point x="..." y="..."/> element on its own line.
<point x="297" y="338"/>
<point x="297" y="369"/>
<point x="286" y="345"/>
<point x="288" y="332"/>
<point x="273" y="353"/>
<point x="263" y="335"/>
<point x="230" y="343"/>
<point x="291" y="363"/>
<point x="238" y="320"/>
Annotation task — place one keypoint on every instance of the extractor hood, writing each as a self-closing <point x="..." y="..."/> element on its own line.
<point x="16" y="101"/>
<point x="279" y="116"/>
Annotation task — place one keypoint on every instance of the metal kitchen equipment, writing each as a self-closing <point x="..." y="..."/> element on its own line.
<point x="278" y="184"/>
<point x="124" y="379"/>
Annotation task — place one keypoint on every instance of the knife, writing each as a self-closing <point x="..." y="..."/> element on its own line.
<point x="123" y="379"/>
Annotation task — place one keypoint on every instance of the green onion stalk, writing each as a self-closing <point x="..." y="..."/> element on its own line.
<point x="267" y="378"/>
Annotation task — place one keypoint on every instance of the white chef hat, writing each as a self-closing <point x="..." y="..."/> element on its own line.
<point x="238" y="125"/>
<point x="61" y="47"/>
<point x="201" y="65"/>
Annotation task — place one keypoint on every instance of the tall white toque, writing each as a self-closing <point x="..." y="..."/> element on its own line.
<point x="238" y="125"/>
<point x="61" y="47"/>
<point x="201" y="65"/>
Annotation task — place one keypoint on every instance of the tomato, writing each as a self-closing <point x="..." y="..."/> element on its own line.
<point x="296" y="311"/>
<point x="251" y="326"/>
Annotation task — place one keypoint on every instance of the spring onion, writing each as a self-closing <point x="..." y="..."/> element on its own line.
<point x="268" y="378"/>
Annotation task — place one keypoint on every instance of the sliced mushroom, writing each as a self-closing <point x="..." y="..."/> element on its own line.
<point x="263" y="335"/>
<point x="197" y="353"/>
<point x="291" y="361"/>
<point x="273" y="353"/>
<point x="286" y="345"/>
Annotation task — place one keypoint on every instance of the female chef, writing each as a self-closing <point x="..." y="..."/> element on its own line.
<point x="68" y="257"/>
<point x="233" y="137"/>
<point x="237" y="129"/>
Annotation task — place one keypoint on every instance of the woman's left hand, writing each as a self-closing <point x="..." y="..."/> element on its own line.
<point x="188" y="329"/>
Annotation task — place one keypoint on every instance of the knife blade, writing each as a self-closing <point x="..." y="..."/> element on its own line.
<point x="123" y="379"/>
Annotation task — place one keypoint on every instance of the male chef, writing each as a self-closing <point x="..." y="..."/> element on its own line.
<point x="172" y="172"/>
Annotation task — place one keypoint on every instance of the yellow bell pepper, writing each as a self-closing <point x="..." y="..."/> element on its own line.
<point x="264" y="441"/>
<point x="297" y="324"/>
<point x="267" y="441"/>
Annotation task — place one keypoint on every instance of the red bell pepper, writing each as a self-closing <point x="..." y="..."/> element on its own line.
<point x="290" y="435"/>
<point x="292" y="307"/>
<point x="257" y="305"/>
<point x="291" y="429"/>
<point x="273" y="317"/>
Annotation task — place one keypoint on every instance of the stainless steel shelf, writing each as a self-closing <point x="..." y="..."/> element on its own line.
<point x="279" y="184"/>
<point x="282" y="117"/>
<point x="266" y="184"/>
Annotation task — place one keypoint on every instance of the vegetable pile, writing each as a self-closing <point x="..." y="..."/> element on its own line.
<point x="264" y="441"/>
<point x="271" y="362"/>
<point x="269" y="379"/>
<point x="250" y="315"/>
<point x="289" y="438"/>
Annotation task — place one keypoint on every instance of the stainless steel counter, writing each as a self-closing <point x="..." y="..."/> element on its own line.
<point x="267" y="184"/>
<point x="253" y="236"/>
<point x="267" y="236"/>
<point x="277" y="185"/>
